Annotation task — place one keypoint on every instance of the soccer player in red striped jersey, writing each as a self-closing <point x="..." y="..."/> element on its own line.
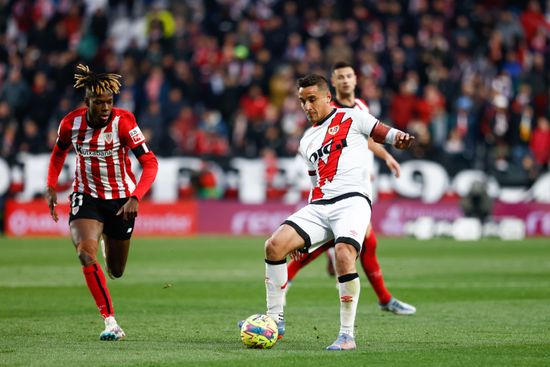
<point x="344" y="81"/>
<point x="106" y="195"/>
<point x="339" y="205"/>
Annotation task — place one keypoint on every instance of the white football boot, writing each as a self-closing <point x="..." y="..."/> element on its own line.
<point x="398" y="307"/>
<point x="112" y="331"/>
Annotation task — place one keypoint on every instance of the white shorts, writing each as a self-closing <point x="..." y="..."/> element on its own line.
<point x="345" y="220"/>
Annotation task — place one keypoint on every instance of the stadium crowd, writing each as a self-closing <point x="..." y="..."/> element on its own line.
<point x="216" y="78"/>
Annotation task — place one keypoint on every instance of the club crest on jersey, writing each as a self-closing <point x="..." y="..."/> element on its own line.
<point x="74" y="210"/>
<point x="333" y="130"/>
<point x="108" y="137"/>
<point x="136" y="135"/>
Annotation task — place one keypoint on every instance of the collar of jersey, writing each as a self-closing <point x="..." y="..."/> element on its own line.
<point x="339" y="104"/>
<point x="325" y="119"/>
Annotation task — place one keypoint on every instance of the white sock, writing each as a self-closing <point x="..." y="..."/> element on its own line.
<point x="349" y="289"/>
<point x="276" y="278"/>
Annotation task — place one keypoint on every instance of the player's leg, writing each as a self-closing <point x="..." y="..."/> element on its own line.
<point x="299" y="231"/>
<point x="85" y="235"/>
<point x="349" y="224"/>
<point x="331" y="260"/>
<point x="116" y="256"/>
<point x="371" y="266"/>
<point x="349" y="289"/>
<point x="117" y="233"/>
<point x="283" y="241"/>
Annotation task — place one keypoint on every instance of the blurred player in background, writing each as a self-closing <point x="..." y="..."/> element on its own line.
<point x="105" y="197"/>
<point x="344" y="81"/>
<point x="339" y="208"/>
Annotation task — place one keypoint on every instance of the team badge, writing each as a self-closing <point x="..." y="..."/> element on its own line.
<point x="74" y="210"/>
<point x="136" y="135"/>
<point x="108" y="137"/>
<point x="333" y="130"/>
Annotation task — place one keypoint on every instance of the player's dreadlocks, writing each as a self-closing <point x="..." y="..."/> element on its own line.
<point x="96" y="84"/>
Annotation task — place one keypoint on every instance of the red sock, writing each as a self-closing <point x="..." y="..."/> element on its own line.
<point x="372" y="268"/>
<point x="95" y="279"/>
<point x="294" y="266"/>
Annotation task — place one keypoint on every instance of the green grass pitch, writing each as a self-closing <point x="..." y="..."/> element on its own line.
<point x="483" y="303"/>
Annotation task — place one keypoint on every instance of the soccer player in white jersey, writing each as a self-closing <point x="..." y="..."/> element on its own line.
<point x="344" y="81"/>
<point x="339" y="206"/>
<point x="105" y="197"/>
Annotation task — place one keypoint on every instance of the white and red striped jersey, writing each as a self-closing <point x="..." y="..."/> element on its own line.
<point x="361" y="105"/>
<point x="103" y="168"/>
<point x="335" y="150"/>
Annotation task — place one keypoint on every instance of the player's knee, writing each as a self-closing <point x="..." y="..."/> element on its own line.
<point x="116" y="273"/>
<point x="273" y="249"/>
<point x="86" y="253"/>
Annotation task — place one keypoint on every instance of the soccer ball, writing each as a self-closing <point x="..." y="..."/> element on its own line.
<point x="259" y="332"/>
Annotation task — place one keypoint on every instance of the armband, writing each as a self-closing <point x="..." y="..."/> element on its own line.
<point x="390" y="137"/>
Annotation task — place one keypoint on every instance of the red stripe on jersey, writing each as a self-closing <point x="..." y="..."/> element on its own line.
<point x="327" y="171"/>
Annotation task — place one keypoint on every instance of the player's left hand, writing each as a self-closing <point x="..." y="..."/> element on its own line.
<point x="393" y="165"/>
<point x="403" y="140"/>
<point x="130" y="209"/>
<point x="51" y="198"/>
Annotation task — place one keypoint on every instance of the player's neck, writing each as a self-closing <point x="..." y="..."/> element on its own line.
<point x="348" y="100"/>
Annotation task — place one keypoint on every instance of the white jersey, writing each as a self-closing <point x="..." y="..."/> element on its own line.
<point x="335" y="150"/>
<point x="361" y="105"/>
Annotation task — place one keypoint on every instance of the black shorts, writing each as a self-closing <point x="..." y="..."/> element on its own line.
<point x="84" y="206"/>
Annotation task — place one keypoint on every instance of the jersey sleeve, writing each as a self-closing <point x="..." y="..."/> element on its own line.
<point x="63" y="140"/>
<point x="365" y="122"/>
<point x="131" y="135"/>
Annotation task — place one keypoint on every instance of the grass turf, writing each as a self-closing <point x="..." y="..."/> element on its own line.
<point x="480" y="303"/>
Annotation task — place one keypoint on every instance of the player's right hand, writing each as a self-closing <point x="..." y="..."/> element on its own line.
<point x="403" y="140"/>
<point x="51" y="198"/>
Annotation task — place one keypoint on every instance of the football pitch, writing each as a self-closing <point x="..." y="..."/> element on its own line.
<point x="483" y="303"/>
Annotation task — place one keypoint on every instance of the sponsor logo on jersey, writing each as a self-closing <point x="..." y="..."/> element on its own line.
<point x="108" y="137"/>
<point x="327" y="148"/>
<point x="136" y="135"/>
<point x="93" y="153"/>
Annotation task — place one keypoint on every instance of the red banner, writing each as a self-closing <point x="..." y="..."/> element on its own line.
<point x="33" y="219"/>
<point x="233" y="218"/>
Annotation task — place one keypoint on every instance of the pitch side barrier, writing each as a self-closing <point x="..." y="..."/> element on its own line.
<point x="391" y="217"/>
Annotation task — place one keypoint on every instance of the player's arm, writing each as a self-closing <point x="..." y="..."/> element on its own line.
<point x="135" y="140"/>
<point x="382" y="133"/>
<point x="57" y="159"/>
<point x="384" y="155"/>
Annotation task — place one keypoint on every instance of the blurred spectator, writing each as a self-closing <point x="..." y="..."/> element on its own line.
<point x="477" y="203"/>
<point x="540" y="142"/>
<point x="442" y="69"/>
<point x="16" y="92"/>
<point x="8" y="129"/>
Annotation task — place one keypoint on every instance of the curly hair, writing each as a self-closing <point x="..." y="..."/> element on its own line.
<point x="96" y="84"/>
